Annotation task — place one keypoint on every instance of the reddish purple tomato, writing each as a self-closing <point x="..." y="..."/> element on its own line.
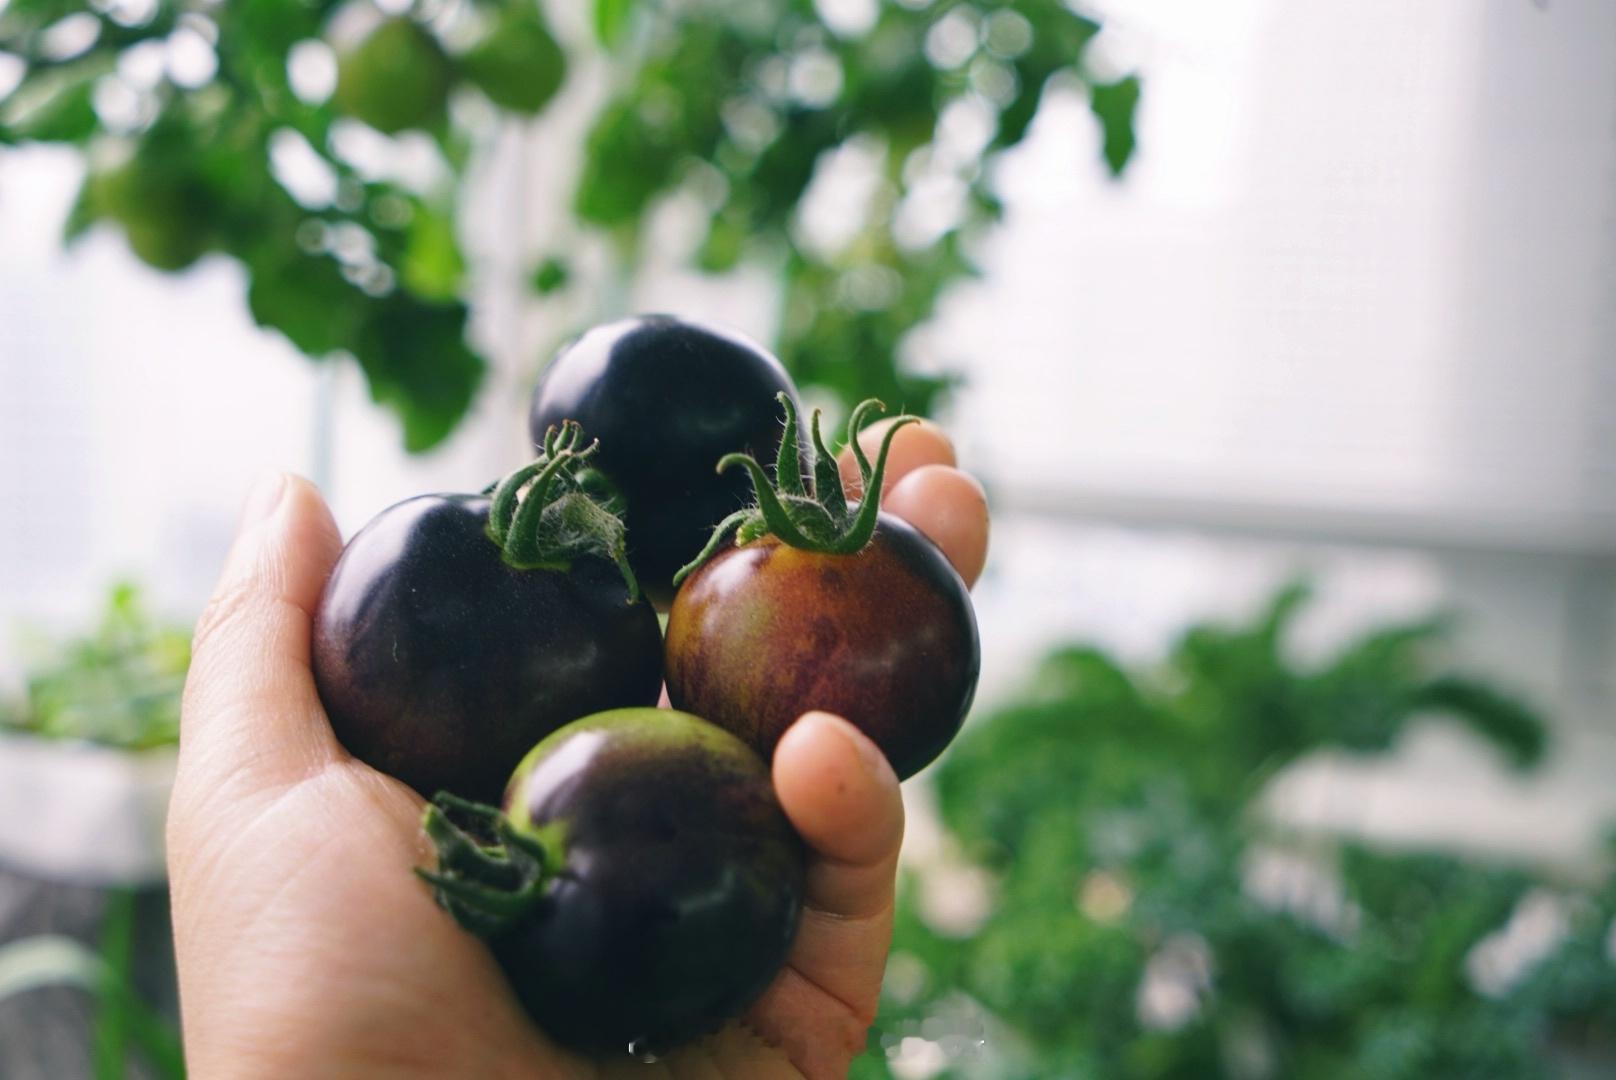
<point x="441" y="663"/>
<point x="885" y="637"/>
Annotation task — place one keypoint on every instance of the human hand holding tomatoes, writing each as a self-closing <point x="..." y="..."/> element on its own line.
<point x="304" y="950"/>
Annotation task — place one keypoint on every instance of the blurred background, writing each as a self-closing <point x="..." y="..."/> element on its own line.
<point x="1282" y="336"/>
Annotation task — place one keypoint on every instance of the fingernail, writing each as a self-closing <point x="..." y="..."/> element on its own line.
<point x="262" y="499"/>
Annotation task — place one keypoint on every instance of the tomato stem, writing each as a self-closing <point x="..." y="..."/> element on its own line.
<point x="816" y="517"/>
<point x="551" y="511"/>
<point x="489" y="875"/>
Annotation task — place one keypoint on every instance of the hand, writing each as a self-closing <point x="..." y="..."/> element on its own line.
<point x="305" y="946"/>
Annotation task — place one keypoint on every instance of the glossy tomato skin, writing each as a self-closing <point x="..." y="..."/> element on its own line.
<point x="886" y="638"/>
<point x="681" y="885"/>
<point x="667" y="398"/>
<point x="441" y="665"/>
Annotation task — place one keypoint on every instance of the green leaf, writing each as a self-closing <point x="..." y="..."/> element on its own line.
<point x="259" y="33"/>
<point x="417" y="363"/>
<point x="1509" y="723"/>
<point x="432" y="266"/>
<point x="163" y="197"/>
<point x="68" y="116"/>
<point x="1113" y="104"/>
<point x="82" y="215"/>
<point x="611" y="19"/>
<point x="723" y="247"/>
<point x="305" y="297"/>
<point x="626" y="163"/>
<point x="110" y="1036"/>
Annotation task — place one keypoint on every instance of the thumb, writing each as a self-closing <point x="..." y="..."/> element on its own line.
<point x="251" y="719"/>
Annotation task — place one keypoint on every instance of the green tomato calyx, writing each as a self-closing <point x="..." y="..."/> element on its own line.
<point x="812" y="515"/>
<point x="553" y="510"/>
<point x="490" y="874"/>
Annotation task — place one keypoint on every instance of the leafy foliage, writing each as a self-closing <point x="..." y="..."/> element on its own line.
<point x="1148" y="921"/>
<point x="746" y="102"/>
<point x="186" y="163"/>
<point x="740" y="103"/>
<point x="119" y="685"/>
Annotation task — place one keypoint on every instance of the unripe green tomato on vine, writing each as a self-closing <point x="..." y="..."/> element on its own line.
<point x="396" y="79"/>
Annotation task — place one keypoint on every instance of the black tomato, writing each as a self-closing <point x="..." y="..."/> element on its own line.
<point x="642" y="885"/>
<point x="666" y="398"/>
<point x="441" y="663"/>
<point x="824" y="605"/>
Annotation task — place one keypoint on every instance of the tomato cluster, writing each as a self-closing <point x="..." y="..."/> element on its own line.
<point x="639" y="882"/>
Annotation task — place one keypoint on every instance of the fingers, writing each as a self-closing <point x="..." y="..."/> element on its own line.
<point x="922" y="486"/>
<point x="251" y="714"/>
<point x="914" y="445"/>
<point x="842" y="797"/>
<point x="951" y="508"/>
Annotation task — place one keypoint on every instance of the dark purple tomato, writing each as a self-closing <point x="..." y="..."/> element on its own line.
<point x="441" y="664"/>
<point x="667" y="893"/>
<point x="885" y="637"/>
<point x="666" y="398"/>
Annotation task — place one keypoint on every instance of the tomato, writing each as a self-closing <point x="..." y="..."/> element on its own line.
<point x="398" y="77"/>
<point x="641" y="886"/>
<point x="667" y="398"/>
<point x="518" y="65"/>
<point x="822" y="604"/>
<point x="446" y="646"/>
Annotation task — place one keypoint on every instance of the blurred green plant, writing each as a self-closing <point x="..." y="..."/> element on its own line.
<point x="195" y="116"/>
<point x="119" y="685"/>
<point x="1148" y="919"/>
<point x="126" y="1028"/>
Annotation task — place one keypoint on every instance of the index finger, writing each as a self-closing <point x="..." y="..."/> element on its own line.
<point x="915" y="445"/>
<point x="922" y="486"/>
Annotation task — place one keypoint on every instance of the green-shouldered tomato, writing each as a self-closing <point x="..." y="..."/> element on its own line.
<point x="641" y="886"/>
